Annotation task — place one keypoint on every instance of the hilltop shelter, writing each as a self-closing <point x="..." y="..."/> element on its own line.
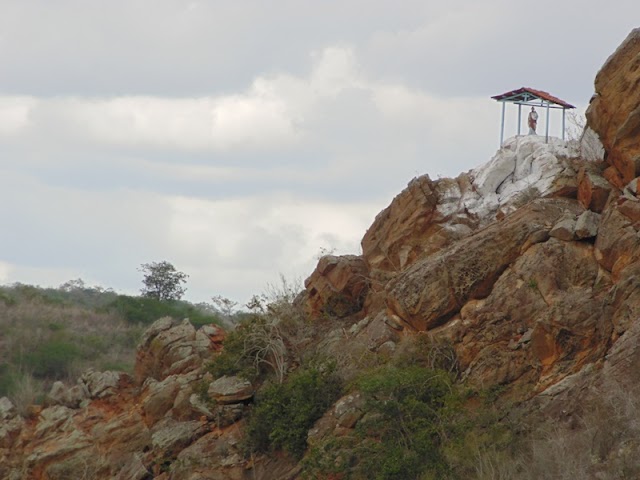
<point x="532" y="98"/>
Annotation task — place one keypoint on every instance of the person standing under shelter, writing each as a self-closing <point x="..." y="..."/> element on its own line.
<point x="533" y="121"/>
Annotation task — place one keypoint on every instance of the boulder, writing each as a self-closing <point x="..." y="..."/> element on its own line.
<point x="158" y="397"/>
<point x="132" y="469"/>
<point x="169" y="348"/>
<point x="337" y="287"/>
<point x="430" y="215"/>
<point x="564" y="229"/>
<point x="120" y="433"/>
<point x="10" y="429"/>
<point x="169" y="436"/>
<point x="102" y="384"/>
<point x="348" y="410"/>
<point x="634" y="186"/>
<point x="618" y="244"/>
<point x="205" y="457"/>
<point x="71" y="397"/>
<point x="544" y="319"/>
<point x="378" y="332"/>
<point x="226" y="390"/>
<point x="587" y="225"/>
<point x="593" y="190"/>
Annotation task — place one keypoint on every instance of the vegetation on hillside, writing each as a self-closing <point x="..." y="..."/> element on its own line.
<point x="49" y="334"/>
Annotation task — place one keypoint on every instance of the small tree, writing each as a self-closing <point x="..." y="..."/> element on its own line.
<point x="162" y="281"/>
<point x="224" y="306"/>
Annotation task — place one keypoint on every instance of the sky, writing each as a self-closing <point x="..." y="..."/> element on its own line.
<point x="240" y="139"/>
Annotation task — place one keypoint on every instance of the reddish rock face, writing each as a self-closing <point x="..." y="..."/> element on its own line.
<point x="593" y="190"/>
<point x="614" y="112"/>
<point x="168" y="348"/>
<point x="427" y="294"/>
<point x="337" y="287"/>
<point x="544" y="319"/>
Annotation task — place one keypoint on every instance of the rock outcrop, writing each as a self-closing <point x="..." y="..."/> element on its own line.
<point x="614" y="112"/>
<point x="110" y="426"/>
<point x="527" y="264"/>
<point x="512" y="263"/>
<point x="338" y="286"/>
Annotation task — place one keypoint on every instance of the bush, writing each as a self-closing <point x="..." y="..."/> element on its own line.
<point x="413" y="411"/>
<point x="410" y="412"/>
<point x="7" y="298"/>
<point x="147" y="310"/>
<point x="234" y="360"/>
<point x="7" y="380"/>
<point x="53" y="359"/>
<point x="284" y="413"/>
<point x="425" y="351"/>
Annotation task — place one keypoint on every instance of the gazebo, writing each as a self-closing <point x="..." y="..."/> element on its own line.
<point x="533" y="98"/>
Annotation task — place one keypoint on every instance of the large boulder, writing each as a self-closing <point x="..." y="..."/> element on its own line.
<point x="427" y="294"/>
<point x="102" y="384"/>
<point x="593" y="189"/>
<point x="227" y="390"/>
<point x="338" y="286"/>
<point x="614" y="112"/>
<point x="169" y="348"/>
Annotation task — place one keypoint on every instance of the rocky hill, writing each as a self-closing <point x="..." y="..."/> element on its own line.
<point x="526" y="269"/>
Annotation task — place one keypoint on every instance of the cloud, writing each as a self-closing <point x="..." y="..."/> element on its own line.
<point x="246" y="122"/>
<point x="331" y="110"/>
<point x="240" y="245"/>
<point x="236" y="139"/>
<point x="5" y="272"/>
<point x="14" y="114"/>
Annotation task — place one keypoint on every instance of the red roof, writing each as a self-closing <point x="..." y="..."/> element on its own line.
<point x="525" y="93"/>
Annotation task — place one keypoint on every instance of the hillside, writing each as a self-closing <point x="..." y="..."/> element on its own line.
<point x="53" y="334"/>
<point x="488" y="330"/>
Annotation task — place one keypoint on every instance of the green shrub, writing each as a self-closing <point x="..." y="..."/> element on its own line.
<point x="234" y="360"/>
<point x="147" y="310"/>
<point x="284" y="413"/>
<point x="52" y="359"/>
<point x="6" y="298"/>
<point x="410" y="412"/>
<point x="256" y="347"/>
<point x="31" y="293"/>
<point x="413" y="411"/>
<point x="7" y="380"/>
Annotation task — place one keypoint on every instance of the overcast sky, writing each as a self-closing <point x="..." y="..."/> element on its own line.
<point x="238" y="139"/>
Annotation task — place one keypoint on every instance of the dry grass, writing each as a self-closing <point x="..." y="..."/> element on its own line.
<point x="43" y="340"/>
<point x="601" y="443"/>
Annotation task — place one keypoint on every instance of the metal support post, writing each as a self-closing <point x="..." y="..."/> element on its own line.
<point x="502" y="124"/>
<point x="519" y="117"/>
<point x="547" y="130"/>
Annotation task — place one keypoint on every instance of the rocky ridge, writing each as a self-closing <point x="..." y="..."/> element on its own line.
<point x="526" y="264"/>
